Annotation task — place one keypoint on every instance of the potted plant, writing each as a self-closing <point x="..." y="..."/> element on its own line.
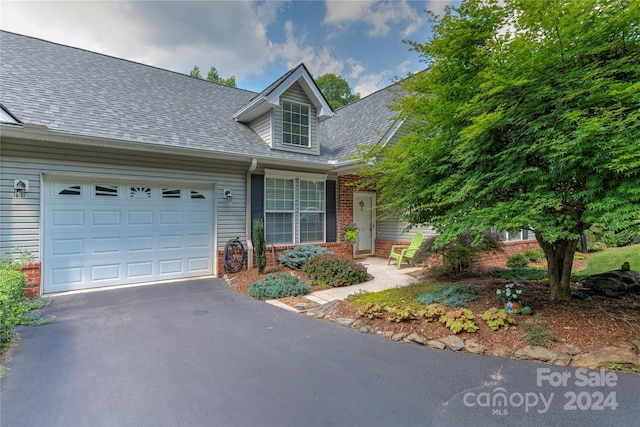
<point x="350" y="233"/>
<point x="510" y="297"/>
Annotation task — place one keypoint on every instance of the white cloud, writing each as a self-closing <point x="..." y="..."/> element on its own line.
<point x="294" y="51"/>
<point x="228" y="35"/>
<point x="379" y="15"/>
<point x="370" y="83"/>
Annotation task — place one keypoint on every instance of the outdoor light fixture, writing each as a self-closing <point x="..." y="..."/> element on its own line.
<point x="228" y="195"/>
<point x="20" y="187"/>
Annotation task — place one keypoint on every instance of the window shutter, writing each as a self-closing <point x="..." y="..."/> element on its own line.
<point x="257" y="199"/>
<point x="332" y="226"/>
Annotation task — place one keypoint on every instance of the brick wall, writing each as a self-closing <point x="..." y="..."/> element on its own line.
<point x="32" y="271"/>
<point x="273" y="252"/>
<point x="498" y="259"/>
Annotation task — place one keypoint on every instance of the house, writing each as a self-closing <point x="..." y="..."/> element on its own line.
<point x="113" y="172"/>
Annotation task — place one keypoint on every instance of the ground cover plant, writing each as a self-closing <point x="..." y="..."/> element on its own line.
<point x="278" y="286"/>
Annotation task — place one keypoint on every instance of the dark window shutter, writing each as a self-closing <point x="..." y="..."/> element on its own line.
<point x="257" y="199"/>
<point x="332" y="226"/>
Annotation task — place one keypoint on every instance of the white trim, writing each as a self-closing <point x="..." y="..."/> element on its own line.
<point x="276" y="173"/>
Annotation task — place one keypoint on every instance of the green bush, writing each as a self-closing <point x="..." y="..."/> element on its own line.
<point x="15" y="259"/>
<point x="298" y="257"/>
<point x="332" y="270"/>
<point x="518" y="260"/>
<point x="11" y="284"/>
<point x="520" y="274"/>
<point x="278" y="286"/>
<point x="451" y="296"/>
<point x="534" y="255"/>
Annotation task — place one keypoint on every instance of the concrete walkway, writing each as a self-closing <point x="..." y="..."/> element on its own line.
<point x="384" y="277"/>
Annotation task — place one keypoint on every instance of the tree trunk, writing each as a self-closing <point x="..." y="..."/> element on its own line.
<point x="559" y="256"/>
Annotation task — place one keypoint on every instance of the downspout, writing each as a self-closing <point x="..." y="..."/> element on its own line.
<point x="248" y="225"/>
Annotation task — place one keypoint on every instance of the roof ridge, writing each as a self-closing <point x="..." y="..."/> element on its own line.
<point x="119" y="59"/>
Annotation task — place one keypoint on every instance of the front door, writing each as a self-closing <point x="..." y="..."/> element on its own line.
<point x="364" y="217"/>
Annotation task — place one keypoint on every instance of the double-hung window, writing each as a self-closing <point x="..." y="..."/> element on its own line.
<point x="295" y="124"/>
<point x="294" y="208"/>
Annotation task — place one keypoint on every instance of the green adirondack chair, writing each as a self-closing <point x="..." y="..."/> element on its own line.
<point x="404" y="252"/>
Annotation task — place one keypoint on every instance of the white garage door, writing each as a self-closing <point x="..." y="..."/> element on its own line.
<point x="104" y="233"/>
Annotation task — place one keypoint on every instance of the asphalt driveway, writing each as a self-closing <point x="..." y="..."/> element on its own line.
<point x="195" y="353"/>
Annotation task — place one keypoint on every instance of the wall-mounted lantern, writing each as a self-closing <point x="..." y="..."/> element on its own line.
<point x="20" y="188"/>
<point x="228" y="195"/>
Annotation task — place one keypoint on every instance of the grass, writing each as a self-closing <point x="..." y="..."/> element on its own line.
<point x="403" y="296"/>
<point x="612" y="259"/>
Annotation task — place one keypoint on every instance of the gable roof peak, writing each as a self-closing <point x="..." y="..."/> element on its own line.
<point x="269" y="98"/>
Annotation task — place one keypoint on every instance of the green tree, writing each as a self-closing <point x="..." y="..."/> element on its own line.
<point x="336" y="89"/>
<point x="195" y="72"/>
<point x="528" y="117"/>
<point x="213" y="76"/>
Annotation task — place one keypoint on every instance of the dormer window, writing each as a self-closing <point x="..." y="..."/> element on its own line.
<point x="295" y="124"/>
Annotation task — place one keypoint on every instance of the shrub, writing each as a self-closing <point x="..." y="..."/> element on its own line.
<point x="459" y="320"/>
<point x="298" y="257"/>
<point x="332" y="270"/>
<point x="534" y="255"/>
<point x="460" y="253"/>
<point x="278" y="286"/>
<point x="11" y="284"/>
<point x="16" y="259"/>
<point x="452" y="296"/>
<point x="497" y="318"/>
<point x="518" y="260"/>
<point x="520" y="274"/>
<point x="259" y="245"/>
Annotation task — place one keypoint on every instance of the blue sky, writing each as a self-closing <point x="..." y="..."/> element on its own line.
<point x="255" y="41"/>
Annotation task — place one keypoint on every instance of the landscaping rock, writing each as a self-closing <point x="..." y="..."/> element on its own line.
<point x="607" y="357"/>
<point x="345" y="321"/>
<point x="387" y="334"/>
<point x="568" y="349"/>
<point x="500" y="351"/>
<point x="544" y="355"/>
<point x="436" y="344"/>
<point x="614" y="283"/>
<point x="365" y="329"/>
<point x="473" y="346"/>
<point x="357" y="324"/>
<point x="453" y="342"/>
<point x="398" y="336"/>
<point x="415" y="337"/>
<point x="323" y="310"/>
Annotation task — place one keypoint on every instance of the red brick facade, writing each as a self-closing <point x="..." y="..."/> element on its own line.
<point x="32" y="271"/>
<point x="498" y="259"/>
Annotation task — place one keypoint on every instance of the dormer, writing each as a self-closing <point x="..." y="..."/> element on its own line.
<point x="287" y="113"/>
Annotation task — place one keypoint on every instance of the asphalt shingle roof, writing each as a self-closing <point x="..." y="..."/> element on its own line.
<point x="80" y="92"/>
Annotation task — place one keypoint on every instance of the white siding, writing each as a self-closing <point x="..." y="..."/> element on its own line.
<point x="262" y="126"/>
<point x="20" y="218"/>
<point x="296" y="94"/>
<point x="394" y="231"/>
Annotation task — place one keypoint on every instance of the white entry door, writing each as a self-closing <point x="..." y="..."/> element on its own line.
<point x="99" y="232"/>
<point x="364" y="217"/>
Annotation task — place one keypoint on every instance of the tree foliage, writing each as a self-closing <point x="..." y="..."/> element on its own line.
<point x="337" y="90"/>
<point x="213" y="76"/>
<point x="528" y="117"/>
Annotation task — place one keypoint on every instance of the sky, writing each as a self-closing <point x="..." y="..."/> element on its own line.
<point x="255" y="41"/>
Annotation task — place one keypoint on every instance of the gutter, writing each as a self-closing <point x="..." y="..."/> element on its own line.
<point x="248" y="226"/>
<point x="42" y="133"/>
